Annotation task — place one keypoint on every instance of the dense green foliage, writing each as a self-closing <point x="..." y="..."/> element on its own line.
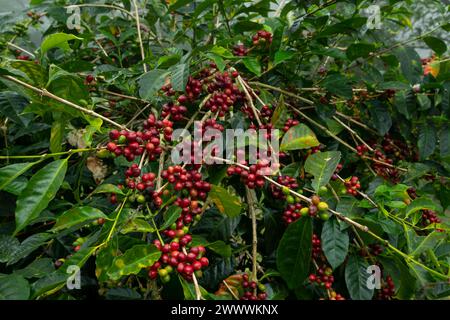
<point x="364" y="132"/>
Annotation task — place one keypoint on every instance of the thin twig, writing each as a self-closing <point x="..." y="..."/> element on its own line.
<point x="44" y="92"/>
<point x="251" y="209"/>
<point x="21" y="49"/>
<point x="138" y="25"/>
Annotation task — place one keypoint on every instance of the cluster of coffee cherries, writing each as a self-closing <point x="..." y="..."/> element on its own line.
<point x="224" y="93"/>
<point x="262" y="36"/>
<point x="189" y="181"/>
<point x="176" y="112"/>
<point x="289" y="183"/>
<point x="253" y="177"/>
<point x="387" y="290"/>
<point x="174" y="258"/>
<point x="352" y="185"/>
<point x="395" y="147"/>
<point x="317" y="207"/>
<point x="289" y="124"/>
<point x="381" y="164"/>
<point x="324" y="277"/>
<point x="266" y="111"/>
<point x="316" y="246"/>
<point x="250" y="287"/>
<point x="429" y="217"/>
<point x="240" y="50"/>
<point x="134" y="179"/>
<point x="168" y="90"/>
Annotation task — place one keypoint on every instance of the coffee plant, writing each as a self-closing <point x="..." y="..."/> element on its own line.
<point x="93" y="204"/>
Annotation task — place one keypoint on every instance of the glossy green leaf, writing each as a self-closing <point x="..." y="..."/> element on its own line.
<point x="334" y="243"/>
<point x="107" y="188"/>
<point x="299" y="137"/>
<point x="253" y="65"/>
<point x="8" y="245"/>
<point x="77" y="216"/>
<point x="133" y="260"/>
<point x="356" y="278"/>
<point x="9" y="173"/>
<point x="41" y="189"/>
<point x="427" y="141"/>
<point x="357" y="50"/>
<point x="338" y="85"/>
<point x="14" y="287"/>
<point x="59" y="40"/>
<point x="179" y="78"/>
<point x="37" y="269"/>
<point x="294" y="252"/>
<point x="322" y="166"/>
<point x="171" y="216"/>
<point x="226" y="203"/>
<point x="151" y="82"/>
<point x="436" y="44"/>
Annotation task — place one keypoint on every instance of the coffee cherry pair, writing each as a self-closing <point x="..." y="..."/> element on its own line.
<point x="429" y="217"/>
<point x="176" y="112"/>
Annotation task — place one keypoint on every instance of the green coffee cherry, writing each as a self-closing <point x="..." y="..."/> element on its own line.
<point x="140" y="198"/>
<point x="304" y="211"/>
<point x="285" y="190"/>
<point x="290" y="199"/>
<point x="165" y="279"/>
<point x="122" y="140"/>
<point x="324" y="216"/>
<point x="322" y="190"/>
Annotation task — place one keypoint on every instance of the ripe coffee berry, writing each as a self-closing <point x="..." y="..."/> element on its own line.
<point x="387" y="290"/>
<point x="254" y="177"/>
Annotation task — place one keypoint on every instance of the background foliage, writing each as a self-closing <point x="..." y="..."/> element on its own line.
<point x="348" y="86"/>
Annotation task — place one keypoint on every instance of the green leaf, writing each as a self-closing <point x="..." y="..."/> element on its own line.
<point x="356" y="277"/>
<point x="253" y="65"/>
<point x="59" y="40"/>
<point x="171" y="216"/>
<point x="222" y="52"/>
<point x="12" y="106"/>
<point x="179" y="78"/>
<point x="280" y="114"/>
<point x="380" y="117"/>
<point x="107" y="188"/>
<point x="28" y="246"/>
<point x="334" y="243"/>
<point x="427" y="141"/>
<point x="8" y="245"/>
<point x="436" y="44"/>
<point x="133" y="260"/>
<point x="220" y="247"/>
<point x="299" y="137"/>
<point x="444" y="143"/>
<point x="282" y="55"/>
<point x="410" y="63"/>
<point x="122" y="294"/>
<point x="9" y="173"/>
<point x="322" y="166"/>
<point x="37" y="269"/>
<point x="428" y="242"/>
<point x="218" y="60"/>
<point x="56" y="136"/>
<point x="14" y="287"/>
<point x="359" y="50"/>
<point x="40" y="190"/>
<point x="76" y="216"/>
<point x="405" y="103"/>
<point x="294" y="252"/>
<point x="226" y="203"/>
<point x="136" y="225"/>
<point x="151" y="82"/>
<point x="421" y="204"/>
<point x="338" y="85"/>
<point x="424" y="101"/>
